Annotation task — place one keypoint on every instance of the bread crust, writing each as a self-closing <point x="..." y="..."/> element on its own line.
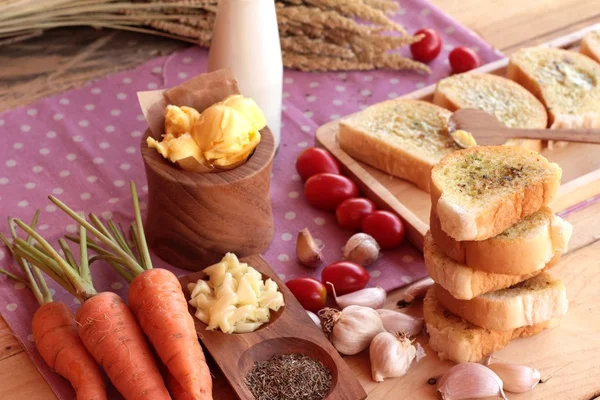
<point x="510" y="255"/>
<point x="510" y="308"/>
<point x="384" y="155"/>
<point x="460" y="341"/>
<point x="590" y="45"/>
<point x="493" y="217"/>
<point x="454" y="99"/>
<point x="465" y="283"/>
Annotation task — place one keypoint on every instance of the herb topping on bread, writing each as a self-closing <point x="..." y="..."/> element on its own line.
<point x="480" y="192"/>
<point x="404" y="138"/>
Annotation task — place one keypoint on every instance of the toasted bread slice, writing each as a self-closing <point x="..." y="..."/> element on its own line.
<point x="527" y="303"/>
<point x="463" y="282"/>
<point x="590" y="45"/>
<point x="460" y="341"/>
<point x="521" y="249"/>
<point x="404" y="138"/>
<point x="566" y="82"/>
<point x="480" y="192"/>
<point x="508" y="101"/>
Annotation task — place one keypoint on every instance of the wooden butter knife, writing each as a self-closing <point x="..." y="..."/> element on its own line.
<point x="488" y="131"/>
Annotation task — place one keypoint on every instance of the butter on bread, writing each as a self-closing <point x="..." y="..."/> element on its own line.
<point x="404" y="138"/>
<point x="523" y="248"/>
<point x="463" y="282"/>
<point x="458" y="340"/>
<point x="508" y="101"/>
<point x="566" y="82"/>
<point x="535" y="300"/>
<point x="590" y="45"/>
<point x="479" y="192"/>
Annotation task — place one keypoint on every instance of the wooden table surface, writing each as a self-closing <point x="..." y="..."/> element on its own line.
<point x="61" y="60"/>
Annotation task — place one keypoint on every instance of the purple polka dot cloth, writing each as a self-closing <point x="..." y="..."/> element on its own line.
<point x="83" y="147"/>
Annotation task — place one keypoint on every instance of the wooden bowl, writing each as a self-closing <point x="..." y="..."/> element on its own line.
<point x="289" y="331"/>
<point x="195" y="218"/>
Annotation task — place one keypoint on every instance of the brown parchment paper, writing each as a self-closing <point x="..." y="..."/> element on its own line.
<point x="200" y="93"/>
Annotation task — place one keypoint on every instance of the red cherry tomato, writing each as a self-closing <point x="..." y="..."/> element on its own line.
<point x="351" y="212"/>
<point x="327" y="191"/>
<point x="463" y="59"/>
<point x="387" y="229"/>
<point x="314" y="161"/>
<point x="428" y="48"/>
<point x="311" y="293"/>
<point x="346" y="277"/>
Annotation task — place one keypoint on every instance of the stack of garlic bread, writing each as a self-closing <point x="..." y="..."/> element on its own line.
<point x="492" y="239"/>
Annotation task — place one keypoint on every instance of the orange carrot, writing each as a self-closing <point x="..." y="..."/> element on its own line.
<point x="56" y="339"/>
<point x="175" y="389"/>
<point x="107" y="327"/>
<point x="110" y="332"/>
<point x="55" y="332"/>
<point x="156" y="299"/>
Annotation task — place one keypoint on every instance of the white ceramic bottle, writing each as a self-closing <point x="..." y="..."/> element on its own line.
<point x="246" y="40"/>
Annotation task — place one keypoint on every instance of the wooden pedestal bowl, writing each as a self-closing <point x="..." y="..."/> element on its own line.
<point x="289" y="331"/>
<point x="195" y="218"/>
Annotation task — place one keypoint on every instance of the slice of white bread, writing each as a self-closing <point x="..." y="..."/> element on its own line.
<point x="463" y="282"/>
<point x="590" y="45"/>
<point x="460" y="341"/>
<point x="566" y="82"/>
<point x="508" y="101"/>
<point x="523" y="248"/>
<point x="479" y="192"/>
<point x="538" y="299"/>
<point x="404" y="138"/>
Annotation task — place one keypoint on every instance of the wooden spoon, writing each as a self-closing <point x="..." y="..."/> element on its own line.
<point x="488" y="131"/>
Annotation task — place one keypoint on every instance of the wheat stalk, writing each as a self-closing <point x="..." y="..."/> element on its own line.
<point x="317" y="35"/>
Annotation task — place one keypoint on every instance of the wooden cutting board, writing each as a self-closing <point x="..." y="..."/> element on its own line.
<point x="580" y="164"/>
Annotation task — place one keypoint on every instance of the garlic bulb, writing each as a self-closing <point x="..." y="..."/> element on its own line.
<point x="309" y="254"/>
<point x="314" y="317"/>
<point x="394" y="321"/>
<point x="516" y="378"/>
<point x="369" y="297"/>
<point x="391" y="355"/>
<point x="470" y="381"/>
<point x="362" y="249"/>
<point x="352" y="329"/>
<point x="417" y="290"/>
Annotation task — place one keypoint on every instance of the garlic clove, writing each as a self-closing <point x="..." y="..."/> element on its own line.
<point x="470" y="381"/>
<point x="362" y="249"/>
<point x="370" y="297"/>
<point x="417" y="290"/>
<point x="516" y="378"/>
<point x="352" y="329"/>
<point x="309" y="254"/>
<point x="391" y="355"/>
<point x="314" y="317"/>
<point x="395" y="321"/>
